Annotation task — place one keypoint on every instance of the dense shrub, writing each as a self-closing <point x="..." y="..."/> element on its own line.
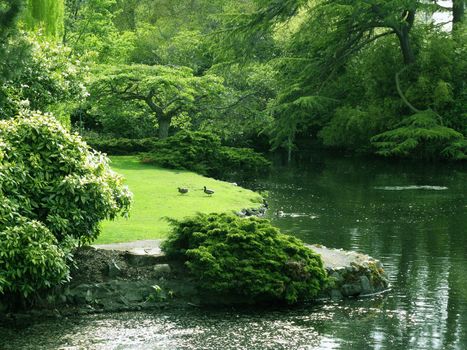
<point x="352" y="128"/>
<point x="245" y="260"/>
<point x="422" y="136"/>
<point x="121" y="146"/>
<point x="30" y="258"/>
<point x="203" y="152"/>
<point x="53" y="189"/>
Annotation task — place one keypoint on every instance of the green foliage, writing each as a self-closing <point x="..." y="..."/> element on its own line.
<point x="246" y="260"/>
<point x="48" y="77"/>
<point x="46" y="15"/>
<point x="351" y="128"/>
<point x="337" y="65"/>
<point x="54" y="191"/>
<point x="251" y="88"/>
<point x="203" y="153"/>
<point x="121" y="146"/>
<point x="92" y="34"/>
<point x="166" y="93"/>
<point x="9" y="10"/>
<point x="421" y="136"/>
<point x="56" y="179"/>
<point x="30" y="258"/>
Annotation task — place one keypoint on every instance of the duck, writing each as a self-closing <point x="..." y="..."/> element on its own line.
<point x="182" y="190"/>
<point x="280" y="213"/>
<point x="208" y="191"/>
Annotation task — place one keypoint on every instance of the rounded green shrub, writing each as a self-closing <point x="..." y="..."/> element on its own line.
<point x="53" y="190"/>
<point x="245" y="260"/>
<point x="121" y="146"/>
<point x="57" y="179"/>
<point x="30" y="258"/>
<point x="203" y="153"/>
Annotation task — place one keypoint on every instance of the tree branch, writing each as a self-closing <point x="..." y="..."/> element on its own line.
<point x="401" y="94"/>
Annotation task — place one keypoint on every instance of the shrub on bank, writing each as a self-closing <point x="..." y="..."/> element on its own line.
<point x="203" y="153"/>
<point x="30" y="258"/>
<point x="245" y="260"/>
<point x="122" y="146"/>
<point x="53" y="188"/>
<point x="422" y="136"/>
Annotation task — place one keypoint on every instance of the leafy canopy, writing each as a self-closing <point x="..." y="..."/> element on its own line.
<point x="164" y="92"/>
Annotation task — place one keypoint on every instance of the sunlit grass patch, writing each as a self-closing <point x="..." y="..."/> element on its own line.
<point x="156" y="197"/>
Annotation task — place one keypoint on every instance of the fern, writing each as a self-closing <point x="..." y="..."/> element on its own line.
<point x="421" y="136"/>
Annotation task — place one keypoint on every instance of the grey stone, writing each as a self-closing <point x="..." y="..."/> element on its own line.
<point x="338" y="279"/>
<point x="162" y="270"/>
<point x="113" y="270"/>
<point x="88" y="296"/>
<point x="350" y="290"/>
<point x="335" y="294"/>
<point x="366" y="285"/>
<point x="140" y="260"/>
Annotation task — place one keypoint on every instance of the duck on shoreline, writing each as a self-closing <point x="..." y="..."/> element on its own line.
<point x="182" y="190"/>
<point x="208" y="191"/>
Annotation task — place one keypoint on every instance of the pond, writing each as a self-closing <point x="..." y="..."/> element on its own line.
<point x="413" y="218"/>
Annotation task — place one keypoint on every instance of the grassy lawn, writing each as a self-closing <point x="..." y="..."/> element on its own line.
<point x="156" y="197"/>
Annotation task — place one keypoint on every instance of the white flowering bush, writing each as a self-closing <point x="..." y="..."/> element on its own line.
<point x="49" y="78"/>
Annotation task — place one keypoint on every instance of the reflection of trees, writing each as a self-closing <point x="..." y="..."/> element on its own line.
<point x="419" y="235"/>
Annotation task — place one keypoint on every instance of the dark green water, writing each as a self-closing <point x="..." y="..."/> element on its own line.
<point x="414" y="219"/>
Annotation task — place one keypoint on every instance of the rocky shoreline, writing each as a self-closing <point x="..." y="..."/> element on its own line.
<point x="137" y="276"/>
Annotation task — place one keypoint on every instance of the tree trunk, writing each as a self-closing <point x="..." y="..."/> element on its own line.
<point x="406" y="47"/>
<point x="458" y="13"/>
<point x="164" y="125"/>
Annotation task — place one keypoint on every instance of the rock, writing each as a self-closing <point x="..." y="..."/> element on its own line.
<point x="337" y="277"/>
<point x="351" y="290"/>
<point x="141" y="260"/>
<point x="161" y="270"/>
<point x="335" y="294"/>
<point x="113" y="270"/>
<point x="366" y="285"/>
<point x="88" y="296"/>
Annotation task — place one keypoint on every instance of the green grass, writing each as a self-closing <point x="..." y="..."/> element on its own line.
<point x="156" y="197"/>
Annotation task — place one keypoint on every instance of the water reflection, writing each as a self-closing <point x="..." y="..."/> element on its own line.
<point x="414" y="219"/>
<point x="420" y="234"/>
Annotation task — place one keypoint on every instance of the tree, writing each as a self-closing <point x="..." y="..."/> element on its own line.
<point x="165" y="92"/>
<point x="91" y="33"/>
<point x="326" y="68"/>
<point x="9" y="11"/>
<point x="458" y="14"/>
<point x="47" y="77"/>
<point x="46" y="15"/>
